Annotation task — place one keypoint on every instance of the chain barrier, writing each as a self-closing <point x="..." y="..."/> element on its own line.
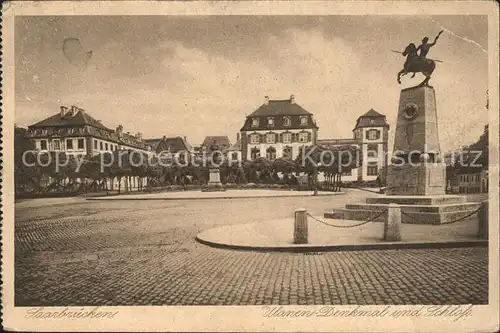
<point x="349" y="226"/>
<point x="457" y="220"/>
<point x="365" y="189"/>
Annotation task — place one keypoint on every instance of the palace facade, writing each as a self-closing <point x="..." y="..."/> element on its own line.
<point x="278" y="128"/>
<point x="75" y="132"/>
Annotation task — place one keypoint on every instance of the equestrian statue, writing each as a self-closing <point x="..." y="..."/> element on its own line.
<point x="418" y="62"/>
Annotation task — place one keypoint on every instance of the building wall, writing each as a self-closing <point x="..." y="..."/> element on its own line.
<point x="234" y="155"/>
<point x="51" y="144"/>
<point x="279" y="146"/>
<point x="380" y="160"/>
<point x="470" y="183"/>
<point x="91" y="145"/>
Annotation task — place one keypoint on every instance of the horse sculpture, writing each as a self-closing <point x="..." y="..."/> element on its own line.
<point x="416" y="64"/>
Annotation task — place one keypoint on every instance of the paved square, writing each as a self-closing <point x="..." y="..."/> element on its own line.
<point x="77" y="252"/>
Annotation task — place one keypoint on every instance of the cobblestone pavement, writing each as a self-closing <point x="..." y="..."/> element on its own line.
<point x="75" y="252"/>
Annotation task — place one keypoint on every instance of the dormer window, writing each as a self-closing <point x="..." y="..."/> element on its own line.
<point x="303" y="120"/>
<point x="270" y="122"/>
<point x="255" y="122"/>
<point x="287" y="121"/>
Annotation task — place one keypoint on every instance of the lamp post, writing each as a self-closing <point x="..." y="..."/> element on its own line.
<point x="315" y="169"/>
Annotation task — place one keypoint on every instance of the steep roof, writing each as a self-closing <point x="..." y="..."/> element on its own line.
<point x="373" y="113"/>
<point x="236" y="146"/>
<point x="285" y="107"/>
<point x="80" y="118"/>
<point x="173" y="144"/>
<point x="221" y="141"/>
<point x="371" y="119"/>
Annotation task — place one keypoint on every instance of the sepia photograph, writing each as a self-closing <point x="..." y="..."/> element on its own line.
<point x="337" y="167"/>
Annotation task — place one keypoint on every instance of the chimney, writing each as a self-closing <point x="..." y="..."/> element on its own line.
<point x="237" y="137"/>
<point x="64" y="110"/>
<point x="185" y="140"/>
<point x="292" y="99"/>
<point x="74" y="110"/>
<point x="266" y="100"/>
<point x="119" y="130"/>
<point x="139" y="136"/>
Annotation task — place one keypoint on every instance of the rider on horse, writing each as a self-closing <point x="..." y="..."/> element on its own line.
<point x="416" y="62"/>
<point x="425" y="47"/>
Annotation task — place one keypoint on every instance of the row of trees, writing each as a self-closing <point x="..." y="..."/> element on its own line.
<point x="121" y="171"/>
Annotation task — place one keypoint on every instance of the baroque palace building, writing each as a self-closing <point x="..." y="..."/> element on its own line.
<point x="75" y="132"/>
<point x="278" y="128"/>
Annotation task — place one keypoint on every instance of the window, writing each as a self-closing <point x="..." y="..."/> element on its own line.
<point x="71" y="130"/>
<point x="372" y="169"/>
<point x="254" y="153"/>
<point x="106" y="147"/>
<point x="373" y="134"/>
<point x="43" y="144"/>
<point x="372" y="150"/>
<point x="100" y="145"/>
<point x="69" y="143"/>
<point x="303" y="120"/>
<point x="95" y="144"/>
<point x="288" y="152"/>
<point x="255" y="122"/>
<point x="270" y="122"/>
<point x="81" y="144"/>
<point x="254" y="138"/>
<point x="270" y="137"/>
<point x="56" y="144"/>
<point x="234" y="156"/>
<point x="287" y="137"/>
<point x="287" y="121"/>
<point x="303" y="137"/>
<point x="271" y="153"/>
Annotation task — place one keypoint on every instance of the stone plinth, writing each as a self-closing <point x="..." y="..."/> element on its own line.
<point x="416" y="128"/>
<point x="418" y="179"/>
<point x="214" y="183"/>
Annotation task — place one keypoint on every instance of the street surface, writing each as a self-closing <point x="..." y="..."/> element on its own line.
<point x="71" y="251"/>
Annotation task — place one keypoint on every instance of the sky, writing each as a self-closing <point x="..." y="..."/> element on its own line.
<point x="196" y="76"/>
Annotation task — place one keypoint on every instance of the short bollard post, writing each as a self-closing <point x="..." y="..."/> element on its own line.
<point x="482" y="230"/>
<point x="300" y="228"/>
<point x="392" y="227"/>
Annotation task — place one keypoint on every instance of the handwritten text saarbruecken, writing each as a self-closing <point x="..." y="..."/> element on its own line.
<point x="73" y="313"/>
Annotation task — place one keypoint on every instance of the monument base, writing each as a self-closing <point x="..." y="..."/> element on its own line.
<point x="416" y="179"/>
<point x="214" y="184"/>
<point x="437" y="209"/>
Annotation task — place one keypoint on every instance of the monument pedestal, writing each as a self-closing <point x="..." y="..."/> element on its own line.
<point x="435" y="209"/>
<point x="416" y="180"/>
<point x="214" y="184"/>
